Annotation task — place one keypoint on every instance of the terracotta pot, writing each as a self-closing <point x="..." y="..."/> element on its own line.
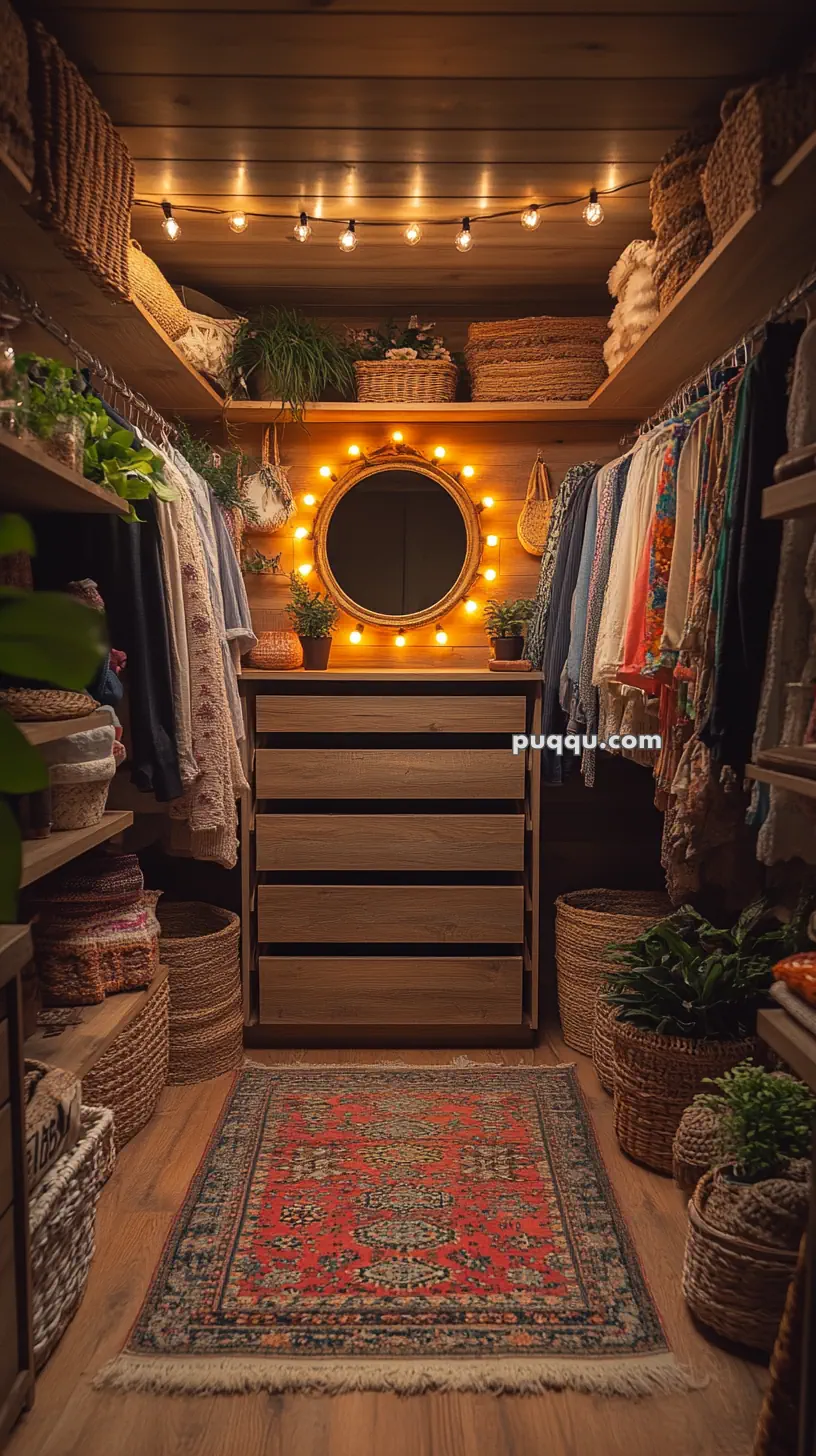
<point x="508" y="649"/>
<point x="315" y="653"/>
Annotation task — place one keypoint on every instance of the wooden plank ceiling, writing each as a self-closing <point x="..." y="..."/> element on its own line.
<point x="401" y="109"/>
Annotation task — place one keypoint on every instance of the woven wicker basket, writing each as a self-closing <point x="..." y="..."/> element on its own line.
<point x="586" y="921"/>
<point x="695" y="1146"/>
<point x="682" y="232"/>
<point x="656" y="1078"/>
<point x="777" y="1432"/>
<point x="603" y="1049"/>
<point x="129" y="1076"/>
<point x="41" y="705"/>
<point x="278" y="651"/>
<point x="534" y="521"/>
<point x="62" y="1219"/>
<point x="16" y="127"/>
<point x="149" y="285"/>
<point x="78" y="798"/>
<point x="206" y="1044"/>
<point x="735" y="1286"/>
<point x="406" y="381"/>
<point x="201" y="945"/>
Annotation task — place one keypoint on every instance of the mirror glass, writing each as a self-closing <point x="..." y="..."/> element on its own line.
<point x="396" y="542"/>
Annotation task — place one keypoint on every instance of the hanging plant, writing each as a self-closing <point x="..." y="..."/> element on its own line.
<point x="223" y="470"/>
<point x="283" y="355"/>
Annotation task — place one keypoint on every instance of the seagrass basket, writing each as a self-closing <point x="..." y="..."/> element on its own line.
<point x="149" y="285"/>
<point x="40" y="705"/>
<point x="405" y="381"/>
<point x="603" y="1049"/>
<point x="695" y="1146"/>
<point x="207" y="1043"/>
<point x="129" y="1076"/>
<point x="16" y="126"/>
<point x="277" y="651"/>
<point x="62" y="1223"/>
<point x="201" y="945"/>
<point x="656" y="1078"/>
<point x="586" y="922"/>
<point x="533" y="523"/>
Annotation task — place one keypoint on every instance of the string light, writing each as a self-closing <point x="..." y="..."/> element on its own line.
<point x="354" y="451"/>
<point x="593" y="213"/>
<point x="238" y="221"/>
<point x="302" y="231"/>
<point x="491" y="574"/>
<point x="400" y="639"/>
<point x="440" y="452"/>
<point x="170" y="227"/>
<point x="471" y="606"/>
<point x="464" y="237"/>
<point x="301" y="533"/>
<point x="491" y="540"/>
<point x="468" y="472"/>
<point x="487" y="502"/>
<point x="413" y="234"/>
<point x="441" y="636"/>
<point x="325" y="472"/>
<point x="347" y="240"/>
<point x="305" y="568"/>
<point x="309" y="499"/>
<point x="397" y="437"/>
<point x="531" y="218"/>
<point x="357" y="635"/>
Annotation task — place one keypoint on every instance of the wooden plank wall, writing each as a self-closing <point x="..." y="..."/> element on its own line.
<point x="502" y="456"/>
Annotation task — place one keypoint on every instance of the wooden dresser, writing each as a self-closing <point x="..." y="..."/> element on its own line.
<point x="390" y="857"/>
<point x="16" y="1355"/>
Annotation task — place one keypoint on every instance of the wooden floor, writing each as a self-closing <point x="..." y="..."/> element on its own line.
<point x="135" y="1214"/>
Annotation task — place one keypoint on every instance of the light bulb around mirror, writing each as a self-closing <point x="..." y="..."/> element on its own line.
<point x="488" y="501"/>
<point x="357" y="635"/>
<point x="301" y="533"/>
<point x="464" y="237"/>
<point x="468" y="472"/>
<point x="400" y="639"/>
<point x="309" y="499"/>
<point x="305" y="568"/>
<point x="397" y="437"/>
<point x="325" y="472"/>
<point x="440" y="452"/>
<point x="491" y="574"/>
<point x="354" y="451"/>
<point x="413" y="234"/>
<point x="441" y="636"/>
<point x="347" y="240"/>
<point x="302" y="230"/>
<point x="593" y="213"/>
<point x="471" y="606"/>
<point x="492" y="540"/>
<point x="238" y="221"/>
<point x="530" y="218"/>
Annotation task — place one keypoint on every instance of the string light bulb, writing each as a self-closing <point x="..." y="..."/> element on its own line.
<point x="487" y="502"/>
<point x="397" y="437"/>
<point x="325" y="472"/>
<point x="492" y="540"/>
<point x="347" y="240"/>
<point x="468" y="472"/>
<point x="464" y="237"/>
<point x="305" y="568"/>
<point x="302" y="229"/>
<point x="309" y="499"/>
<point x="471" y="606"/>
<point x="354" y="452"/>
<point x="357" y="635"/>
<point x="441" y="636"/>
<point x="593" y="213"/>
<point x="301" y="533"/>
<point x="170" y="227"/>
<point x="440" y="452"/>
<point x="531" y="218"/>
<point x="238" y="221"/>
<point x="413" y="234"/>
<point x="400" y="639"/>
<point x="491" y="574"/>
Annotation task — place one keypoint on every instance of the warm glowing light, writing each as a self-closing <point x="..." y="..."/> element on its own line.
<point x="170" y="227"/>
<point x="530" y="218"/>
<point x="413" y="234"/>
<point x="464" y="238"/>
<point x="441" y="636"/>
<point x="397" y="437"/>
<point x="357" y="635"/>
<point x="325" y="471"/>
<point x="301" y="533"/>
<point x="593" y="212"/>
<point x="302" y="231"/>
<point x="310" y="500"/>
<point x="347" y="240"/>
<point x="306" y="567"/>
<point x="492" y="540"/>
<point x="468" y="472"/>
<point x="488" y="501"/>
<point x="400" y="639"/>
<point x="491" y="574"/>
<point x="354" y="451"/>
<point x="440" y="452"/>
<point x="238" y="221"/>
<point x="471" y="606"/>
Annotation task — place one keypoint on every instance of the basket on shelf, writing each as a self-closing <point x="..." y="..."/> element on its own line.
<point x="761" y="129"/>
<point x="405" y="381"/>
<point x="603" y="1049"/>
<point x="82" y="957"/>
<point x="695" y="1145"/>
<point x="679" y="221"/>
<point x="129" y="1076"/>
<point x="586" y="922"/>
<point x="277" y="648"/>
<point x="62" y="1220"/>
<point x="545" y="358"/>
<point x="79" y="792"/>
<point x="201" y="945"/>
<point x="656" y="1078"/>
<point x="149" y="285"/>
<point x="42" y="705"/>
<point x="16" y="126"/>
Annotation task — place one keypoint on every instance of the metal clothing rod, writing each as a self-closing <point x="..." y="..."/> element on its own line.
<point x="11" y="290"/>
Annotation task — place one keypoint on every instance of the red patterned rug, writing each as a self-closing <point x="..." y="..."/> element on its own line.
<point x="442" y="1228"/>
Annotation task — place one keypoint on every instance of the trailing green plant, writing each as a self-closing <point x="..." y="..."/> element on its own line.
<point x="257" y="564"/>
<point x="298" y="358"/>
<point x="45" y="637"/>
<point x="685" y="977"/>
<point x="765" y="1120"/>
<point x="507" y="618"/>
<point x="311" y="614"/>
<point x="415" y="341"/>
<point x="223" y="471"/>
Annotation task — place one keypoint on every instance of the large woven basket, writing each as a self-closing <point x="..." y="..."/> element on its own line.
<point x="543" y="358"/>
<point x="62" y="1220"/>
<point x="759" y="134"/>
<point x="406" y="381"/>
<point x="777" y="1432"/>
<point x="154" y="293"/>
<point x="129" y="1076"/>
<point x="682" y="232"/>
<point x="586" y="922"/>
<point x="656" y="1078"/>
<point x="603" y="1047"/>
<point x="201" y="946"/>
<point x="16" y="127"/>
<point x="735" y="1286"/>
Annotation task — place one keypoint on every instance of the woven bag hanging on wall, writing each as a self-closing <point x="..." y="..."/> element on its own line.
<point x="534" y="521"/>
<point x="269" y="490"/>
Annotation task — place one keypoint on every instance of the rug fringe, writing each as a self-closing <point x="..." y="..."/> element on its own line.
<point x="652" y="1375"/>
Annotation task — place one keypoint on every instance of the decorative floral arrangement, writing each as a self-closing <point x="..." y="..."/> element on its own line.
<point x="416" y="341"/>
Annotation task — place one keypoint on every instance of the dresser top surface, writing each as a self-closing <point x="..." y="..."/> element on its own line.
<point x="390" y="674"/>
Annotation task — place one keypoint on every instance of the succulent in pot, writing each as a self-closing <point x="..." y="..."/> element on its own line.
<point x="505" y="623"/>
<point x="314" y="617"/>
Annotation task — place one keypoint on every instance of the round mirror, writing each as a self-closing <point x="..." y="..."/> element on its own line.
<point x="397" y="541"/>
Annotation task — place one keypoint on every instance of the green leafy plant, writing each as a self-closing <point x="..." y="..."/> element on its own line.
<point x="415" y="341"/>
<point x="257" y="564"/>
<point x="292" y="356"/>
<point x="507" y="618"/>
<point x="311" y="614"/>
<point x="44" y="637"/>
<point x="684" y="977"/>
<point x="223" y="471"/>
<point x="765" y="1120"/>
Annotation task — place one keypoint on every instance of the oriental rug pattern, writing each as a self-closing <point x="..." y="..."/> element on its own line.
<point x="407" y="1229"/>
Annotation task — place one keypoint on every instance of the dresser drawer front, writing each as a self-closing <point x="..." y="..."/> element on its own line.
<point x="391" y="990"/>
<point x="382" y="913"/>
<point x="389" y="842"/>
<point x="388" y="773"/>
<point x="284" y="714"/>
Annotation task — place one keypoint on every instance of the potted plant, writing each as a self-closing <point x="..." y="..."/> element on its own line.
<point x="313" y="617"/>
<point x="395" y="365"/>
<point x="686" y="995"/>
<point x="505" y="623"/>
<point x="747" y="1215"/>
<point x="280" y="354"/>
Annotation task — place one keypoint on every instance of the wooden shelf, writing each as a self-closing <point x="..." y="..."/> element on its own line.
<point x="388" y="674"/>
<point x="15" y="950"/>
<point x="350" y="412"/>
<point x="63" y="727"/>
<point x="31" y="480"/>
<point x="78" y="1048"/>
<point x="791" y="1041"/>
<point x="794" y="497"/>
<point x="121" y="334"/>
<point x="780" y="779"/>
<point x="800" y="760"/>
<point x="41" y="856"/>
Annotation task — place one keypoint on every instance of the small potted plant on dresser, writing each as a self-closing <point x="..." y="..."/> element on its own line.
<point x="314" y="617"/>
<point x="505" y="623"/>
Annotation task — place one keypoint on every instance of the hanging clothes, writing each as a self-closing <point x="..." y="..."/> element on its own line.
<point x="543" y="597"/>
<point x="609" y="507"/>
<point x="557" y="637"/>
<point x="580" y="603"/>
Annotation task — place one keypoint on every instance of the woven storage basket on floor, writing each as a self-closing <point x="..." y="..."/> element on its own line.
<point x="586" y="922"/>
<point x="149" y="285"/>
<point x="129" y="1076"/>
<point x="656" y="1078"/>
<point x="603" y="1050"/>
<point x="734" y="1286"/>
<point x="777" y="1432"/>
<point x="16" y="127"/>
<point x="696" y="1146"/>
<point x="206" y="1044"/>
<point x="62" y="1220"/>
<point x="201" y="946"/>
<point x="406" y="381"/>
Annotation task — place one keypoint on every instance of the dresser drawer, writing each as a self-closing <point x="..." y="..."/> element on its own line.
<point x="391" y="990"/>
<point x="384" y="913"/>
<point x="389" y="842"/>
<point x="284" y="714"/>
<point x="388" y="773"/>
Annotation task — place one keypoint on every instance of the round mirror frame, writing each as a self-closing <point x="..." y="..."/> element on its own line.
<point x="399" y="458"/>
